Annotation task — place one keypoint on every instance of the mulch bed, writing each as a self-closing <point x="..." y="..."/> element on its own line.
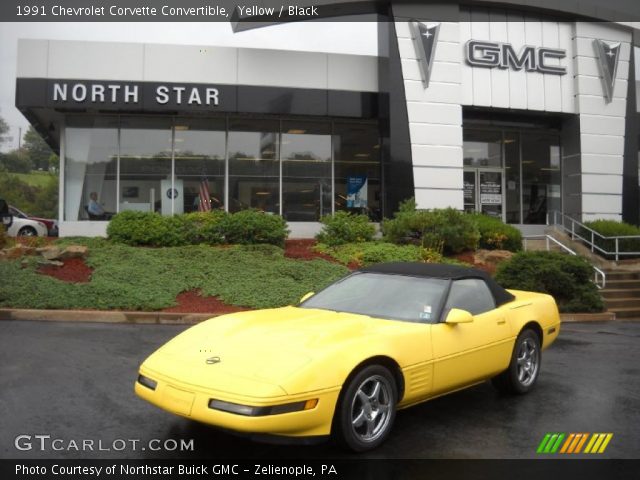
<point x="192" y="302"/>
<point x="469" y="258"/>
<point x="74" y="270"/>
<point x="303" y="250"/>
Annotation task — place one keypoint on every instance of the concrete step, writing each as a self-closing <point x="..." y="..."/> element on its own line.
<point x="622" y="303"/>
<point x="620" y="292"/>
<point x="626" y="312"/>
<point x="626" y="283"/>
<point x="621" y="275"/>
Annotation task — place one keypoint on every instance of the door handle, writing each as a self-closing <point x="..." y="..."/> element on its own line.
<point x="502" y="321"/>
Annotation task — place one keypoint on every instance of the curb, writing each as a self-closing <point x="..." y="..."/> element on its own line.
<point x="587" y="317"/>
<point x="166" y="318"/>
<point x="100" y="316"/>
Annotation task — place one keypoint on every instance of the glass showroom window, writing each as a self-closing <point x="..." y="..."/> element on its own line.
<point x="512" y="176"/>
<point x="145" y="166"/>
<point x="199" y="153"/>
<point x="482" y="148"/>
<point x="357" y="169"/>
<point x="306" y="170"/>
<point x="254" y="169"/>
<point x="91" y="155"/>
<point x="540" y="176"/>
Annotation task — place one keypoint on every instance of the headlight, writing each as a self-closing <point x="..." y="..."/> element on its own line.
<point x="251" y="411"/>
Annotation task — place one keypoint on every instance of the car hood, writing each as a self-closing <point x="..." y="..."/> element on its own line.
<point x="255" y="351"/>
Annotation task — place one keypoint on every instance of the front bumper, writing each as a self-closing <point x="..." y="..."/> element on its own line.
<point x="192" y="402"/>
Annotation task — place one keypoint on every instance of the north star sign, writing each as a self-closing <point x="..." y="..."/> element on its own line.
<point x="114" y="93"/>
<point x="503" y="55"/>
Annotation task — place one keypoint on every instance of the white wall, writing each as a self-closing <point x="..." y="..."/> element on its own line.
<point x="517" y="89"/>
<point x="195" y="64"/>
<point x="435" y="115"/>
<point x="602" y="124"/>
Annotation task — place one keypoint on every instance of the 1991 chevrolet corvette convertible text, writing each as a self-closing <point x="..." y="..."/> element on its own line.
<point x="346" y="358"/>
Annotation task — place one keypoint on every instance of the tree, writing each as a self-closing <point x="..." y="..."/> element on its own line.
<point x="4" y="129"/>
<point x="17" y="161"/>
<point x="37" y="148"/>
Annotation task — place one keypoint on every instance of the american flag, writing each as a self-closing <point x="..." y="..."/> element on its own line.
<point x="205" y="200"/>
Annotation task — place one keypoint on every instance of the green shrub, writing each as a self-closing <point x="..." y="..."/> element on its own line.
<point x="204" y="227"/>
<point x="497" y="235"/>
<point x="344" y="227"/>
<point x="369" y="253"/>
<point x="454" y="230"/>
<point x="611" y="228"/>
<point x="149" y="229"/>
<point x="5" y="240"/>
<point x="154" y="230"/>
<point x="253" y="226"/>
<point x="566" y="277"/>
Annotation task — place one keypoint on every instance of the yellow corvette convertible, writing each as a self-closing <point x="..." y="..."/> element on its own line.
<point x="346" y="358"/>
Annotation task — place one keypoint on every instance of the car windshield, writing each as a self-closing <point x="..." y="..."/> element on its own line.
<point x="396" y="297"/>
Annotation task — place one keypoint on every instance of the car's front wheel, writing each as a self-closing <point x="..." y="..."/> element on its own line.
<point x="367" y="409"/>
<point x="27" y="232"/>
<point x="524" y="368"/>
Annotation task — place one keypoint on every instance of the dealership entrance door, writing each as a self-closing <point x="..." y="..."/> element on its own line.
<point x="484" y="191"/>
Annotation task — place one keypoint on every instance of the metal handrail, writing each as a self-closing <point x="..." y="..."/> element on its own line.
<point x="590" y="242"/>
<point x="597" y="273"/>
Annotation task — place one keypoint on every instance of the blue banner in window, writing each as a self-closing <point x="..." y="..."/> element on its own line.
<point x="357" y="191"/>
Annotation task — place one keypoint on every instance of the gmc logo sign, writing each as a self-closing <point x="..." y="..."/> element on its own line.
<point x="502" y="55"/>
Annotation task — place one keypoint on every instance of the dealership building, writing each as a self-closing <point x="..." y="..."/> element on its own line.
<point x="509" y="112"/>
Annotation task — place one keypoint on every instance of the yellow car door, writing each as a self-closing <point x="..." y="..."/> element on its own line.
<point x="465" y="353"/>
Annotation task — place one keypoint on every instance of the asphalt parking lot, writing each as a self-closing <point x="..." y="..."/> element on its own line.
<point x="74" y="382"/>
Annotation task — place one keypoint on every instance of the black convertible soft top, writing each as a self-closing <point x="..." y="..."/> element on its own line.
<point x="439" y="270"/>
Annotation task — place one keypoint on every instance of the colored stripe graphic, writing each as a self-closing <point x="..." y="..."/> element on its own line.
<point x="550" y="443"/>
<point x="598" y="442"/>
<point x="543" y="443"/>
<point x="573" y="443"/>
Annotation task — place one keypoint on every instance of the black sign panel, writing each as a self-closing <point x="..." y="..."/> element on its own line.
<point x="126" y="96"/>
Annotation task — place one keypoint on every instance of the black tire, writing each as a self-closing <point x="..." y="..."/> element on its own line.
<point x="27" y="232"/>
<point x="524" y="368"/>
<point x="366" y="409"/>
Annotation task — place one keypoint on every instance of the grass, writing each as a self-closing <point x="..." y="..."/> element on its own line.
<point x="133" y="278"/>
<point x="35" y="178"/>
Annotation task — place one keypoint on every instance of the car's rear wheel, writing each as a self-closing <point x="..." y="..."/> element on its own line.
<point x="366" y="409"/>
<point x="524" y="367"/>
<point x="27" y="232"/>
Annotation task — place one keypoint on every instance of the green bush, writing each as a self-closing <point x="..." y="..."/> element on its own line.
<point x="369" y="253"/>
<point x="566" y="277"/>
<point x="496" y="235"/>
<point x="204" y="227"/>
<point x="149" y="229"/>
<point x="154" y="230"/>
<point x="611" y="228"/>
<point x="5" y="240"/>
<point x="344" y="227"/>
<point x="253" y="226"/>
<point x="454" y="230"/>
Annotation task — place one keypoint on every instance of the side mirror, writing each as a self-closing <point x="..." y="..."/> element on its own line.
<point x="456" y="316"/>
<point x="307" y="296"/>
